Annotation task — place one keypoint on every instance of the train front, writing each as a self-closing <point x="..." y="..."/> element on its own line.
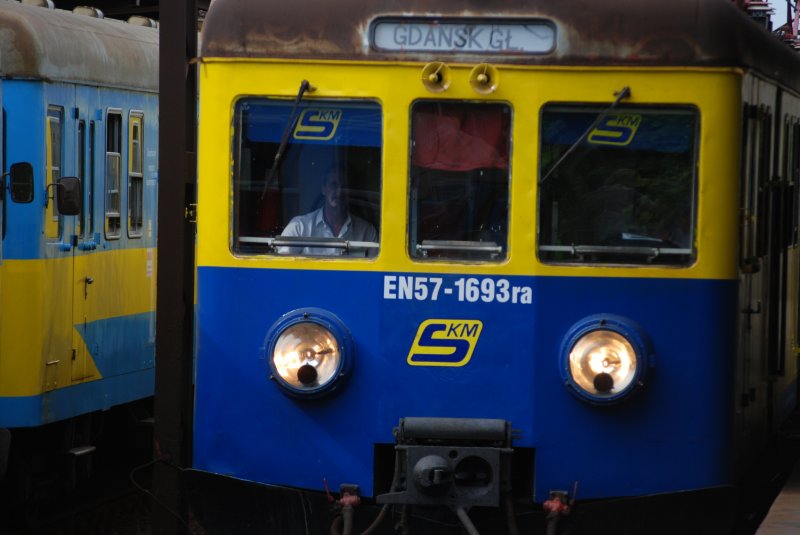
<point x="462" y="286"/>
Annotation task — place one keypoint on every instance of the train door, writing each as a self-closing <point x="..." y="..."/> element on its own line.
<point x="57" y="263"/>
<point x="2" y="186"/>
<point x="782" y="269"/>
<point x="83" y="254"/>
<point x="758" y="133"/>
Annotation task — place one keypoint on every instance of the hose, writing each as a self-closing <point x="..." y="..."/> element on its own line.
<point x="511" y="519"/>
<point x="466" y="522"/>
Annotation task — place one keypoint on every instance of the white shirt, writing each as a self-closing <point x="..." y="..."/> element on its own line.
<point x="313" y="225"/>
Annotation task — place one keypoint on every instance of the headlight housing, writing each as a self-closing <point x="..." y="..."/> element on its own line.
<point x="309" y="352"/>
<point x="605" y="358"/>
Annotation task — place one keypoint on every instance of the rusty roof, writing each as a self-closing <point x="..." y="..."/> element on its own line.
<point x="588" y="32"/>
<point x="58" y="45"/>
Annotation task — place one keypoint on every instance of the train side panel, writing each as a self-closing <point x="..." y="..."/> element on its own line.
<point x="82" y="302"/>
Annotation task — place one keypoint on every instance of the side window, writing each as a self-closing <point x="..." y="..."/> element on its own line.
<point x="90" y="183"/>
<point x="307" y="179"/>
<point x="55" y="144"/>
<point x="113" y="174"/>
<point x="755" y="186"/>
<point x="82" y="173"/>
<point x="135" y="176"/>
<point x="459" y="175"/>
<point x="793" y="225"/>
<point x="618" y="191"/>
<point x="763" y="183"/>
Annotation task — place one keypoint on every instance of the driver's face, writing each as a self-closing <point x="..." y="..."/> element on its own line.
<point x="332" y="191"/>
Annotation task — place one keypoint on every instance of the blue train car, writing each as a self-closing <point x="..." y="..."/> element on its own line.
<point x="77" y="322"/>
<point x="568" y="268"/>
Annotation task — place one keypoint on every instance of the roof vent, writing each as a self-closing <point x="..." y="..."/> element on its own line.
<point x="89" y="11"/>
<point x="138" y="20"/>
<point x="40" y="3"/>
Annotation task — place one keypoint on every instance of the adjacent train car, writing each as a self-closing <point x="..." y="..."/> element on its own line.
<point x="77" y="323"/>
<point x="567" y="278"/>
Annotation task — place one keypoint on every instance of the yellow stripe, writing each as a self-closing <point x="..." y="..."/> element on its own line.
<point x="716" y="93"/>
<point x="38" y="320"/>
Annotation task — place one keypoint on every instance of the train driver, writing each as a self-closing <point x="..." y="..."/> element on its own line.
<point x="332" y="220"/>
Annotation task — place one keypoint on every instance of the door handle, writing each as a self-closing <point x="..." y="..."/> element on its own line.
<point x="86" y="282"/>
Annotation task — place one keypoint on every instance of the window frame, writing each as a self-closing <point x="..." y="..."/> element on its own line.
<point x="54" y="150"/>
<point x="243" y="172"/>
<point x="471" y="252"/>
<point x="135" y="177"/>
<point x="623" y="260"/>
<point x="113" y="184"/>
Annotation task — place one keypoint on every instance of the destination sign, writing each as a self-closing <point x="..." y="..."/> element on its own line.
<point x="450" y="36"/>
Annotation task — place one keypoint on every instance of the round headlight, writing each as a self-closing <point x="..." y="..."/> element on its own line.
<point x="605" y="358"/>
<point x="308" y="352"/>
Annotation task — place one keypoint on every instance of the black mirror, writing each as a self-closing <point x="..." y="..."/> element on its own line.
<point x="69" y="196"/>
<point x="21" y="184"/>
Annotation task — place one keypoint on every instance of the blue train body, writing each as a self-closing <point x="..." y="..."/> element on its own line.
<point x="585" y="274"/>
<point x="79" y="98"/>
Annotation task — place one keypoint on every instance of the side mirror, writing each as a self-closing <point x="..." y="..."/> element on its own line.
<point x="69" y="196"/>
<point x="21" y="184"/>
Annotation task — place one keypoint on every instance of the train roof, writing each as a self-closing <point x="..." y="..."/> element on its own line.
<point x="687" y="33"/>
<point x="58" y="45"/>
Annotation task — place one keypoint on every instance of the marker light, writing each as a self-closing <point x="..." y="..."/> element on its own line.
<point x="308" y="352"/>
<point x="605" y="358"/>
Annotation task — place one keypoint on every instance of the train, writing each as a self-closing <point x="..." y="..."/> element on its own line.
<point x="483" y="267"/>
<point x="77" y="265"/>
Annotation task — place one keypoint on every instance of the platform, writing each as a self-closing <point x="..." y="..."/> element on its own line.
<point x="783" y="517"/>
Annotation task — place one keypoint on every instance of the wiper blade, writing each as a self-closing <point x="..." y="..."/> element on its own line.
<point x="276" y="164"/>
<point x="625" y="92"/>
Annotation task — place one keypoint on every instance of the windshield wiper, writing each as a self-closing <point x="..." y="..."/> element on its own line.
<point x="276" y="164"/>
<point x="625" y="92"/>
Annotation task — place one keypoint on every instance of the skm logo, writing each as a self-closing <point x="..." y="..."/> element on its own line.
<point x="615" y="130"/>
<point x="317" y="124"/>
<point x="444" y="342"/>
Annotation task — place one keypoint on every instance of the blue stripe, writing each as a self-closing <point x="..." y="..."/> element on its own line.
<point x="122" y="344"/>
<point x="31" y="411"/>
<point x="677" y="431"/>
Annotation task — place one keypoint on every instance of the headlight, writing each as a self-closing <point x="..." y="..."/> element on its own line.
<point x="309" y="352"/>
<point x="605" y="358"/>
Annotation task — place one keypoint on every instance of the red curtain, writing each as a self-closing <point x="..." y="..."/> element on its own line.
<point x="460" y="138"/>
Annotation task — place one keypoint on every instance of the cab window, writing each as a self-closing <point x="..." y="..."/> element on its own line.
<point x="459" y="181"/>
<point x="617" y="187"/>
<point x="307" y="178"/>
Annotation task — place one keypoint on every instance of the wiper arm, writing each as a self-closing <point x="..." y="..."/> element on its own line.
<point x="621" y="94"/>
<point x="304" y="86"/>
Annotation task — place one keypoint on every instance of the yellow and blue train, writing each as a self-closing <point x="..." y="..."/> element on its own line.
<point x="582" y="282"/>
<point x="79" y="142"/>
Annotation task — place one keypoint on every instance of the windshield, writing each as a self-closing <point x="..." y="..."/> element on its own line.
<point x="625" y="193"/>
<point x="459" y="180"/>
<point x="321" y="197"/>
